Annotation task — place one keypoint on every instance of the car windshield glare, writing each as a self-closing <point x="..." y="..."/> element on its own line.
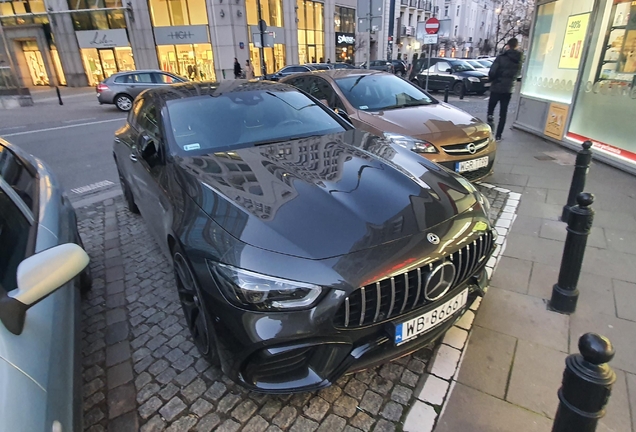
<point x="216" y="123"/>
<point x="461" y="66"/>
<point x="381" y="92"/>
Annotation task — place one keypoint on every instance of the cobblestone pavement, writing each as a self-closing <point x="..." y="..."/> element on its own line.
<point x="142" y="372"/>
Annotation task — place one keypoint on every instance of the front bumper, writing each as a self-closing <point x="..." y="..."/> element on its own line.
<point x="477" y="87"/>
<point x="306" y="350"/>
<point x="303" y="364"/>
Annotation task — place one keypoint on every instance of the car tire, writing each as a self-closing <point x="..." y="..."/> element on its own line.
<point x="457" y="88"/>
<point x="128" y="196"/>
<point x="195" y="314"/>
<point x="123" y="102"/>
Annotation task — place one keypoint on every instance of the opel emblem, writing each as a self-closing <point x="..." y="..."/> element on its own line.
<point x="439" y="281"/>
<point x="471" y="148"/>
<point x="433" y="238"/>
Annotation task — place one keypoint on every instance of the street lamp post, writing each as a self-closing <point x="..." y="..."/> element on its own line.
<point x="498" y="13"/>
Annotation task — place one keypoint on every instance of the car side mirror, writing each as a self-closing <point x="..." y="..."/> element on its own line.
<point x="38" y="276"/>
<point x="149" y="150"/>
<point x="343" y="114"/>
<point x="449" y="70"/>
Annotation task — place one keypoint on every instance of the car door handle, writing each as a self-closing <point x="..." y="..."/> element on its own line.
<point x="133" y="158"/>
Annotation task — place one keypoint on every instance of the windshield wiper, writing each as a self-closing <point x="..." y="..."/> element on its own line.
<point x="284" y="139"/>
<point x="405" y="105"/>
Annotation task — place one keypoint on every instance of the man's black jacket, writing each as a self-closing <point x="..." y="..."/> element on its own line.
<point x="504" y="71"/>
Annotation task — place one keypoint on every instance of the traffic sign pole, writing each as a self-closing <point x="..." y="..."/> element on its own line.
<point x="431" y="26"/>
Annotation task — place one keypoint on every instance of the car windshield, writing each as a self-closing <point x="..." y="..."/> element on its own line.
<point x="460" y="66"/>
<point x="240" y="119"/>
<point x="381" y="92"/>
<point x="475" y="64"/>
<point x="486" y="63"/>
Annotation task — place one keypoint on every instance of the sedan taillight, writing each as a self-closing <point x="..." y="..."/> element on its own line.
<point x="101" y="88"/>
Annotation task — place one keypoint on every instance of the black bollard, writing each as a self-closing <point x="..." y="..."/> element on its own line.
<point x="586" y="386"/>
<point x="583" y="159"/>
<point x="446" y="94"/>
<point x="59" y="95"/>
<point x="462" y="91"/>
<point x="564" y="293"/>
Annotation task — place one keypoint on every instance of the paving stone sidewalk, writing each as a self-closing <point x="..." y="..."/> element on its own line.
<point x="514" y="360"/>
<point x="142" y="372"/>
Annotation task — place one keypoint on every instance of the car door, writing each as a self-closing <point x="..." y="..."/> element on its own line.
<point x="164" y="78"/>
<point x="443" y="78"/>
<point x="139" y="82"/>
<point x="148" y="168"/>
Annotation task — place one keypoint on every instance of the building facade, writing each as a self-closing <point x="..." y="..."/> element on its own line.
<point x="579" y="80"/>
<point x="81" y="42"/>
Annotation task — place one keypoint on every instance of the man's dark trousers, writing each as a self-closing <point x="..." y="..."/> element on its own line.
<point x="504" y="100"/>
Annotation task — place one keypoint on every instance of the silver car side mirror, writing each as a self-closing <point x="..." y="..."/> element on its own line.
<point x="38" y="276"/>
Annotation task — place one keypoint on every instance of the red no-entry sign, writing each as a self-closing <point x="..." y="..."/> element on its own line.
<point x="431" y="25"/>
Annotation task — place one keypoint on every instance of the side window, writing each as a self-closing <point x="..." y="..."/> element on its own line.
<point x="165" y="79"/>
<point x="18" y="176"/>
<point x="14" y="236"/>
<point x="143" y="78"/>
<point x="443" y="66"/>
<point x="296" y="69"/>
<point x="134" y="113"/>
<point x="123" y="79"/>
<point x="149" y="120"/>
<point x="321" y="90"/>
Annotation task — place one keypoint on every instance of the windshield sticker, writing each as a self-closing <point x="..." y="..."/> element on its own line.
<point x="195" y="146"/>
<point x="364" y="107"/>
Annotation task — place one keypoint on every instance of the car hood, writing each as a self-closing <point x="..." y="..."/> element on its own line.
<point x="472" y="73"/>
<point x="325" y="196"/>
<point x="438" y="123"/>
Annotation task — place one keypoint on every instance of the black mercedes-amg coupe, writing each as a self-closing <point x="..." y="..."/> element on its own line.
<point x="303" y="248"/>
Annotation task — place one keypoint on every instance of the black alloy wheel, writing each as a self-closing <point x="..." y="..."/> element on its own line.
<point x="128" y="196"/>
<point x="194" y="309"/>
<point x="457" y="88"/>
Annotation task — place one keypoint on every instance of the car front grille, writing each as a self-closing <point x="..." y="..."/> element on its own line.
<point x="403" y="293"/>
<point x="465" y="149"/>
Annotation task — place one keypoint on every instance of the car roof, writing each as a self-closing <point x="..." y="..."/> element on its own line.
<point x="211" y="88"/>
<point x="341" y="73"/>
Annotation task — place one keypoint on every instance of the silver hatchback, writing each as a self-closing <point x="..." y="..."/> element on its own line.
<point x="121" y="88"/>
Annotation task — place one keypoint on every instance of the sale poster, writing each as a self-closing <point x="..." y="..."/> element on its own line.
<point x="555" y="121"/>
<point x="573" y="42"/>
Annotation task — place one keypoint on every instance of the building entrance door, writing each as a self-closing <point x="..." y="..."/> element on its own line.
<point x="107" y="57"/>
<point x="35" y="63"/>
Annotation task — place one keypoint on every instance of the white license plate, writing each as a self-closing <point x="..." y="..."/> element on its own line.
<point x="413" y="328"/>
<point x="471" y="165"/>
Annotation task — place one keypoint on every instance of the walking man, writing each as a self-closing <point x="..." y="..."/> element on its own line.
<point x="502" y="75"/>
<point x="237" y="69"/>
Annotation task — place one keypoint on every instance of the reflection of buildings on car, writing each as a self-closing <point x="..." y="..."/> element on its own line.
<point x="81" y="42"/>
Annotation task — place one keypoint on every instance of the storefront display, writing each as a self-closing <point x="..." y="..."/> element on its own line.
<point x="580" y="78"/>
<point x="104" y="52"/>
<point x="345" y="43"/>
<point x="35" y="63"/>
<point x="192" y="61"/>
<point x="311" y="32"/>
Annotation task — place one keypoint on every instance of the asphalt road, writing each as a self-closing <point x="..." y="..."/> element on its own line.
<point x="75" y="139"/>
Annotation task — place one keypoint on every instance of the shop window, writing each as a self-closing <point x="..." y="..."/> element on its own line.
<point x="310" y="31"/>
<point x="271" y="11"/>
<point x="194" y="62"/>
<point x="274" y="58"/>
<point x="178" y="12"/>
<point x="556" y="52"/>
<point x="8" y="9"/>
<point x="606" y="100"/>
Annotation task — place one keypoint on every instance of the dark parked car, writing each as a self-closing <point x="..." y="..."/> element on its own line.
<point x="303" y="248"/>
<point x="342" y="65"/>
<point x="289" y="70"/>
<point x="399" y="67"/>
<point x="380" y="65"/>
<point x="456" y="74"/>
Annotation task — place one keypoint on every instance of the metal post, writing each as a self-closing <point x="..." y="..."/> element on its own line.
<point x="564" y="293"/>
<point x="369" y="27"/>
<point x="59" y="96"/>
<point x="428" y="67"/>
<point x="446" y="94"/>
<point x="586" y="386"/>
<point x="582" y="167"/>
<point x="260" y="32"/>
<point x="462" y="91"/>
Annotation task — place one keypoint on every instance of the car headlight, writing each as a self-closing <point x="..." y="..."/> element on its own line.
<point x="473" y="79"/>
<point x="413" y="144"/>
<point x="262" y="292"/>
